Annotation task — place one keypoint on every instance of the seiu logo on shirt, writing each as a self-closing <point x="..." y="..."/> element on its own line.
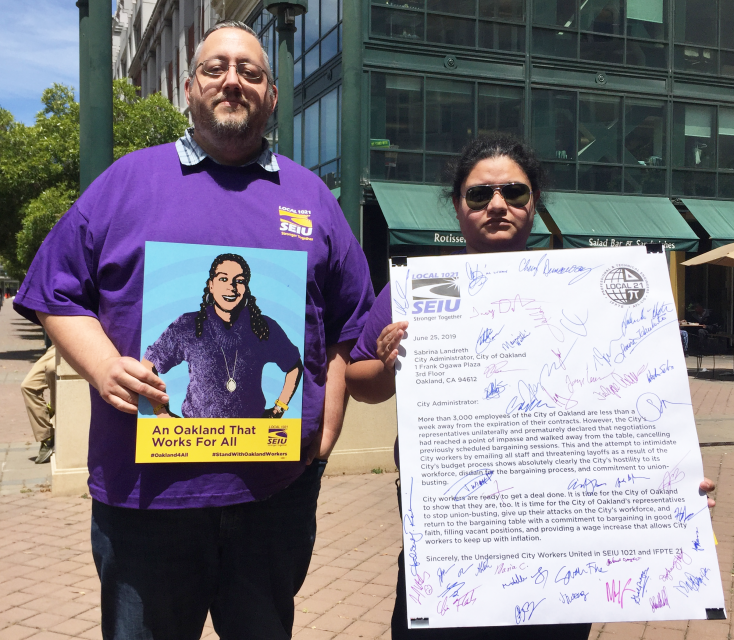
<point x="433" y="294"/>
<point x="296" y="224"/>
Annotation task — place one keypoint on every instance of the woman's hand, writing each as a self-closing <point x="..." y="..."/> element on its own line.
<point x="388" y="342"/>
<point x="706" y="486"/>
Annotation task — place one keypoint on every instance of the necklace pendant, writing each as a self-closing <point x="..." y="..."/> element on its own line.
<point x="231" y="385"/>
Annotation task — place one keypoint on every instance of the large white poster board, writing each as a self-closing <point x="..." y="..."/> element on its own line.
<point x="548" y="454"/>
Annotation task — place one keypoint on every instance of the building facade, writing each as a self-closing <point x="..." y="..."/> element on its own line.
<point x="629" y="102"/>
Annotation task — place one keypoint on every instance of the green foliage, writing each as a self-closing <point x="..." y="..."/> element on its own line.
<point x="143" y="122"/>
<point x="39" y="217"/>
<point x="39" y="165"/>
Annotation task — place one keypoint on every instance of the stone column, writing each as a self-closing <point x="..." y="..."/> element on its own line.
<point x="73" y="413"/>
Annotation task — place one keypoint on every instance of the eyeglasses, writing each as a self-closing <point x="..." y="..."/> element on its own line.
<point x="515" y="194"/>
<point x="216" y="68"/>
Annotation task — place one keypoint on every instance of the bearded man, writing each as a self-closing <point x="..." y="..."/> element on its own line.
<point x="173" y="542"/>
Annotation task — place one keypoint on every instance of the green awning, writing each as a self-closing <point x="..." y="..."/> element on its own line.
<point x="337" y="192"/>
<point x="416" y="214"/>
<point x="595" y="220"/>
<point x="717" y="217"/>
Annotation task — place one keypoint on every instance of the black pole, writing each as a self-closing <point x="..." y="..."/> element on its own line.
<point x="286" y="28"/>
<point x="351" y="138"/>
<point x="95" y="89"/>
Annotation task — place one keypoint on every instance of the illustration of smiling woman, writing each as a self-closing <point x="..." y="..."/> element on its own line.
<point x="226" y="344"/>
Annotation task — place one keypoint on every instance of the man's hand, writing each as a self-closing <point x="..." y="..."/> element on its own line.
<point x="706" y="486"/>
<point x="120" y="380"/>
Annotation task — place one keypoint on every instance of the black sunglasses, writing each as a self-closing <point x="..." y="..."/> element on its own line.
<point x="516" y="194"/>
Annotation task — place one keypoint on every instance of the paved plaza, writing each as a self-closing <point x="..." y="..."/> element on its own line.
<point x="49" y="588"/>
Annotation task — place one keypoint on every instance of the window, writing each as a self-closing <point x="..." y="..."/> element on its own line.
<point x="693" y="143"/>
<point x="592" y="142"/>
<point x="499" y="108"/>
<point x="397" y="110"/>
<point x="554" y="124"/>
<point x="406" y="143"/>
<point x="486" y="24"/>
<point x="449" y="114"/>
<point x="726" y="138"/>
<point x="318" y="130"/>
<point x="631" y="32"/>
<point x="600" y="129"/>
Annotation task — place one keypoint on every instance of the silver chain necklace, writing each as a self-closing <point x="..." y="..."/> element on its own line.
<point x="231" y="384"/>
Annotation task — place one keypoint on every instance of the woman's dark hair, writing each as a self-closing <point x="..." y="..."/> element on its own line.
<point x="257" y="323"/>
<point x="496" y="145"/>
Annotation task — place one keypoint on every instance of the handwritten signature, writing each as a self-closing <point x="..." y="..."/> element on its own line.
<point x="650" y="407"/>
<point x="525" y="611"/>
<point x="494" y="390"/>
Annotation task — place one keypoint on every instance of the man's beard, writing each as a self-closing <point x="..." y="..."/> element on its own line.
<point x="226" y="129"/>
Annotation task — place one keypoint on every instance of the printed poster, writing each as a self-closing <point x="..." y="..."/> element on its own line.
<point x="224" y="328"/>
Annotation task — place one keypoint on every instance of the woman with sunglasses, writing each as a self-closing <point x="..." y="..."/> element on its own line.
<point x="496" y="185"/>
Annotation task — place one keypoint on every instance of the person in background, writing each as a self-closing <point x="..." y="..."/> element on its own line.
<point x="495" y="187"/>
<point x="42" y="376"/>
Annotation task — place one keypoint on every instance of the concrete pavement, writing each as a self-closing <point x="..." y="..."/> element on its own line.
<point x="48" y="584"/>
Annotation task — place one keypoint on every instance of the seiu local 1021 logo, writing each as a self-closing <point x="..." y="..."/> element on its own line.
<point x="278" y="436"/>
<point x="436" y="295"/>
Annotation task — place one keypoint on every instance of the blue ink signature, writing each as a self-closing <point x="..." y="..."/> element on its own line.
<point x="486" y="337"/>
<point x="577" y="325"/>
<point x="654" y="374"/>
<point x="697" y="543"/>
<point x="631" y="477"/>
<point x="525" y="611"/>
<point x="401" y="295"/>
<point x="516" y="579"/>
<point x="588" y="485"/>
<point x="627" y="344"/>
<point x="591" y="568"/>
<point x="467" y="485"/>
<point x="408" y="524"/>
<point x="463" y="571"/>
<point x="494" y="390"/>
<point x="581" y="272"/>
<point x="681" y="514"/>
<point x="455" y="587"/>
<point x="441" y="573"/>
<point x="540" y="576"/>
<point x="477" y="279"/>
<point x="568" y="599"/>
<point x="482" y="567"/>
<point x="693" y="583"/>
<point x="650" y="407"/>
<point x="528" y="392"/>
<point x="641" y="585"/>
<point x="516" y="341"/>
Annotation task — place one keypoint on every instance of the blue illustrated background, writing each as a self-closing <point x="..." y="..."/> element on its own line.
<point x="175" y="277"/>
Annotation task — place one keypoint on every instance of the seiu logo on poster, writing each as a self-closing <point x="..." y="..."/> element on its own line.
<point x="436" y="295"/>
<point x="278" y="436"/>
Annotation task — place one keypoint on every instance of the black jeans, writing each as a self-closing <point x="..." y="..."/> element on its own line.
<point x="400" y="630"/>
<point x="162" y="570"/>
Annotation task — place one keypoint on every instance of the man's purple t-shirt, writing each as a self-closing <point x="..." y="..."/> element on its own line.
<point x="218" y="354"/>
<point x="366" y="347"/>
<point x="92" y="264"/>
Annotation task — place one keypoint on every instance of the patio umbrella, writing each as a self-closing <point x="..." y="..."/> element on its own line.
<point x="723" y="256"/>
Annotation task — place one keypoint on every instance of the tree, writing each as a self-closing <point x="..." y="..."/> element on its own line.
<point x="39" y="165"/>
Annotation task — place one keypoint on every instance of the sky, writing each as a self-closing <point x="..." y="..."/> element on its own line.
<point x="39" y="45"/>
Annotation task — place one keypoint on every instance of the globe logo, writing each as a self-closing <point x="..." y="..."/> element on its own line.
<point x="624" y="286"/>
